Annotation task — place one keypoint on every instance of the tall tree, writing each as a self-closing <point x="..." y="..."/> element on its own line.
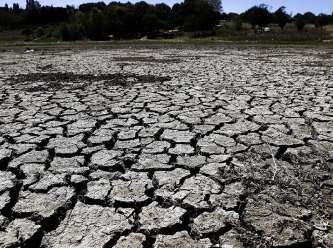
<point x="300" y="21"/>
<point x="310" y="18"/>
<point x="95" y="25"/>
<point x="87" y="7"/>
<point x="216" y="5"/>
<point x="281" y="17"/>
<point x="198" y="15"/>
<point x="16" y="8"/>
<point x="258" y="15"/>
<point x="163" y="12"/>
<point x="32" y="4"/>
<point x="322" y="20"/>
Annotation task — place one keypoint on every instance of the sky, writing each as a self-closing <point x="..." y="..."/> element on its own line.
<point x="238" y="6"/>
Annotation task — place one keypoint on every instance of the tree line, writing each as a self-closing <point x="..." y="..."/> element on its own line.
<point x="99" y="21"/>
<point x="261" y="16"/>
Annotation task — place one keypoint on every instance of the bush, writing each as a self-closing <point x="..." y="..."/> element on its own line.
<point x="72" y="32"/>
<point x="39" y="32"/>
<point x="237" y="23"/>
<point x="26" y="32"/>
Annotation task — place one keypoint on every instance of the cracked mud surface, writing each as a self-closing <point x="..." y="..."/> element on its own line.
<point x="215" y="147"/>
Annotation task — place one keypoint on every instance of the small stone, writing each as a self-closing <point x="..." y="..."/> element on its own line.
<point x="156" y="147"/>
<point x="208" y="146"/>
<point x="239" y="127"/>
<point x="32" y="172"/>
<point x="212" y="222"/>
<point x="4" y="200"/>
<point x="230" y="240"/>
<point x="3" y="222"/>
<point x="203" y="129"/>
<point x="219" y="158"/>
<point x="4" y="154"/>
<point x="66" y="146"/>
<point x="73" y="165"/>
<point x="133" y="240"/>
<point x="127" y="144"/>
<point x="171" y="178"/>
<point x="47" y="181"/>
<point x="31" y="139"/>
<point x="29" y="158"/>
<point x="78" y="179"/>
<point x="181" y="239"/>
<point x="282" y="230"/>
<point x="178" y="136"/>
<point x="217" y="119"/>
<point x="323" y="148"/>
<point x="222" y="140"/>
<point x="105" y="159"/>
<point x="44" y="205"/>
<point x="230" y="197"/>
<point x="80" y="126"/>
<point x="236" y="149"/>
<point x="276" y="137"/>
<point x="181" y="149"/>
<point x="195" y="190"/>
<point x="173" y="125"/>
<point x="168" y="181"/>
<point x="98" y="190"/>
<point x="148" y="132"/>
<point x="153" y="162"/>
<point x="6" y="181"/>
<point x="155" y="218"/>
<point x="132" y="189"/>
<point x="212" y="169"/>
<point x="250" y="139"/>
<point x="191" y="161"/>
<point x="322" y="239"/>
<point x="98" y="174"/>
<point x="127" y="135"/>
<point x="101" y="136"/>
<point x="20" y="149"/>
<point x="18" y="232"/>
<point x="87" y="226"/>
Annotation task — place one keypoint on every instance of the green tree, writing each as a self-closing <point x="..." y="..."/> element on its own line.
<point x="64" y="32"/>
<point x="16" y="8"/>
<point x="177" y="15"/>
<point x="163" y="13"/>
<point x="300" y="22"/>
<point x="198" y="15"/>
<point x="95" y="25"/>
<point x="32" y="4"/>
<point x="216" y="5"/>
<point x="237" y="22"/>
<point x="258" y="15"/>
<point x="323" y="20"/>
<point x="150" y="23"/>
<point x="281" y="17"/>
<point x="310" y="18"/>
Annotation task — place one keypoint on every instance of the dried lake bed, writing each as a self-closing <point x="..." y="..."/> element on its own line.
<point x="175" y="147"/>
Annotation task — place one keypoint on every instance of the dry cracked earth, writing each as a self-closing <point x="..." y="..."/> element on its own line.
<point x="190" y="147"/>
